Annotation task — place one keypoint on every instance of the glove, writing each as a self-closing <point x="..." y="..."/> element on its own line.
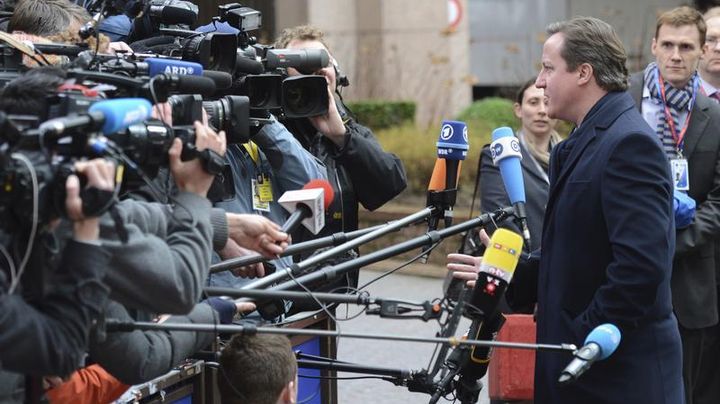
<point x="225" y="308"/>
<point x="684" y="207"/>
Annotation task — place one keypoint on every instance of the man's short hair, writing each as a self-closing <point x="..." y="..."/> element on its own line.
<point x="679" y="16"/>
<point x="255" y="369"/>
<point x="300" y="33"/>
<point x="593" y="41"/>
<point x="41" y="17"/>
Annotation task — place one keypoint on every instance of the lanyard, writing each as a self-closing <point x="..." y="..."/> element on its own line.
<point x="677" y="137"/>
<point x="252" y="150"/>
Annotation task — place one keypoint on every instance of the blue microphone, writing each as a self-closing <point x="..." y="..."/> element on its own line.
<point x="599" y="344"/>
<point x="505" y="151"/>
<point x="452" y="148"/>
<point x="120" y="113"/>
<point x="108" y="116"/>
<point x="158" y="66"/>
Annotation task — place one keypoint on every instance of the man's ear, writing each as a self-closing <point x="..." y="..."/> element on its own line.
<point x="585" y="73"/>
<point x="288" y="395"/>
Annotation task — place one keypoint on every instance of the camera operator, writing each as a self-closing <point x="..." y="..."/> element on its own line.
<point x="50" y="337"/>
<point x="165" y="248"/>
<point x="360" y="171"/>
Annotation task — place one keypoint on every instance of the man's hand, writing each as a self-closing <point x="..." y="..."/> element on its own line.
<point x="119" y="47"/>
<point x="330" y="124"/>
<point x="163" y="112"/>
<point x="100" y="174"/>
<point x="257" y="233"/>
<point x="232" y="250"/>
<point x="190" y="175"/>
<point x="466" y="267"/>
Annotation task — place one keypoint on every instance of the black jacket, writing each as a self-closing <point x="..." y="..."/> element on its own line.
<point x="695" y="264"/>
<point x="361" y="172"/>
<point x="50" y="337"/>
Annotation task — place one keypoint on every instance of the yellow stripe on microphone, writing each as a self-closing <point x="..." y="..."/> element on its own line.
<point x="502" y="254"/>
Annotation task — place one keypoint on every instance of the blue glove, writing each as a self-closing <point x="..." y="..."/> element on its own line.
<point x="225" y="308"/>
<point x="684" y="207"/>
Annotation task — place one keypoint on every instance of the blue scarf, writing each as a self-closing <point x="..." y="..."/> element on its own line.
<point x="676" y="99"/>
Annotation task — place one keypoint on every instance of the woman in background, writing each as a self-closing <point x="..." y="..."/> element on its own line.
<point x="537" y="137"/>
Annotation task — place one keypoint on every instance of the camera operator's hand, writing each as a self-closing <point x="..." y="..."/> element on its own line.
<point x="330" y="124"/>
<point x="100" y="174"/>
<point x="163" y="112"/>
<point x="257" y="233"/>
<point x="190" y="176"/>
<point x="466" y="267"/>
<point x="119" y="47"/>
<point x="233" y="250"/>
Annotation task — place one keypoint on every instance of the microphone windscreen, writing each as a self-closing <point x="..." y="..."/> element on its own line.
<point x="502" y="254"/>
<point x="246" y="65"/>
<point x="120" y="113"/>
<point x="328" y="193"/>
<point x="607" y="336"/>
<point x="172" y="66"/>
<point x="452" y="143"/>
<point x="222" y="80"/>
<point x="195" y="85"/>
<point x="178" y="15"/>
<point x="510" y="168"/>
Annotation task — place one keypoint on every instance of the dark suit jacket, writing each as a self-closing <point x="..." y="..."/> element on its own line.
<point x="694" y="292"/>
<point x="607" y="246"/>
<point x="494" y="196"/>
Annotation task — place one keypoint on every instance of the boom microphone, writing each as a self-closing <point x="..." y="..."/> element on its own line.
<point x="599" y="344"/>
<point x="505" y="151"/>
<point x="109" y="116"/>
<point x="306" y="61"/>
<point x="307" y="206"/>
<point x="222" y="80"/>
<point x="184" y="84"/>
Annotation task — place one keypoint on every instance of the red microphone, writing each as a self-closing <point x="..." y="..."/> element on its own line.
<point x="307" y="206"/>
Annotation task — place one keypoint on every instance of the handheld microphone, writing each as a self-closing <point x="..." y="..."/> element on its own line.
<point x="496" y="271"/>
<point x="158" y="66"/>
<point x="181" y="84"/>
<point x="452" y="147"/>
<point x="109" y="116"/>
<point x="505" y="151"/>
<point x="599" y="344"/>
<point x="307" y="206"/>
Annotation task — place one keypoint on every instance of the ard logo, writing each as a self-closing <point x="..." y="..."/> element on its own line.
<point x="178" y="70"/>
<point x="446" y="132"/>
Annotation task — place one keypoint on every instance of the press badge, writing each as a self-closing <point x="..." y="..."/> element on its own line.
<point x="262" y="193"/>
<point x="679" y="170"/>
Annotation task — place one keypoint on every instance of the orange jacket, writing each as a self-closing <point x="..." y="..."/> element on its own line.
<point x="89" y="385"/>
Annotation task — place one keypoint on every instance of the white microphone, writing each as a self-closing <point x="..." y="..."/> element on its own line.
<point x="307" y="206"/>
